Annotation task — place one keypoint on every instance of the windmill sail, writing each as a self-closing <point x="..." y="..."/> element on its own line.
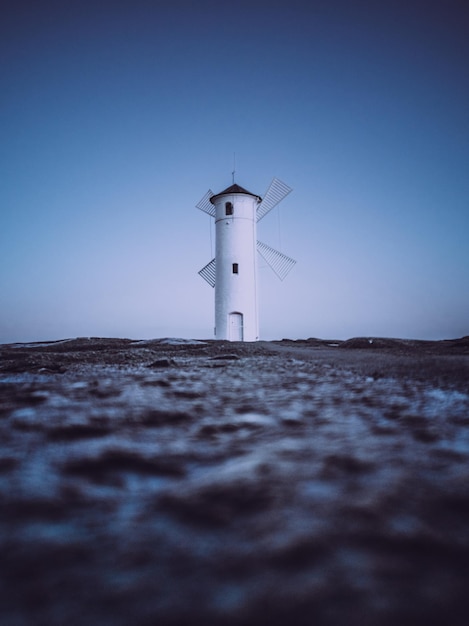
<point x="205" y="205"/>
<point x="274" y="194"/>
<point x="208" y="273"/>
<point x="280" y="263"/>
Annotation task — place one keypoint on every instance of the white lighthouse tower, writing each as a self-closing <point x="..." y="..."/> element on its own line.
<point x="233" y="271"/>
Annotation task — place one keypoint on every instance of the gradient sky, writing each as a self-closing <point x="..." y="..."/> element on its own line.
<point x="116" y="117"/>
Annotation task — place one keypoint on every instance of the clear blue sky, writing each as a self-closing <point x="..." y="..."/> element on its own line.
<point x="116" y="117"/>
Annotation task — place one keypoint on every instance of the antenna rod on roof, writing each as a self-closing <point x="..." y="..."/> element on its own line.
<point x="234" y="166"/>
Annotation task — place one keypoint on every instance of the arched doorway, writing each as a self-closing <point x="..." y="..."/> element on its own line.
<point x="236" y="326"/>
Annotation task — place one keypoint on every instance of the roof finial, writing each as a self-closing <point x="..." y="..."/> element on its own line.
<point x="234" y="167"/>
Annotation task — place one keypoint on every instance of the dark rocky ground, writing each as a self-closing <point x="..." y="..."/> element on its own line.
<point x="166" y="482"/>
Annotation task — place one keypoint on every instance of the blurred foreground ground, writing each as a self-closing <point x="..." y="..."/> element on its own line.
<point x="172" y="482"/>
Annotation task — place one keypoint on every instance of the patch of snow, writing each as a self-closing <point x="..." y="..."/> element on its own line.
<point x="175" y="341"/>
<point x="39" y="344"/>
<point x="447" y="395"/>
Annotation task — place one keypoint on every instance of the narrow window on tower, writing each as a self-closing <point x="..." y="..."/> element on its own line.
<point x="228" y="208"/>
<point x="235" y="268"/>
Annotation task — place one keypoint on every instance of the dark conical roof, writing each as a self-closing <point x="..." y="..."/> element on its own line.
<point x="235" y="189"/>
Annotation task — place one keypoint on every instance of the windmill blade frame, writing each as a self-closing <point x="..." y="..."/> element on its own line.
<point x="276" y="192"/>
<point x="208" y="272"/>
<point x="279" y="263"/>
<point x="205" y="205"/>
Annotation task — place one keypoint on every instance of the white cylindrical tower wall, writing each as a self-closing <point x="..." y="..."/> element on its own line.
<point x="236" y="298"/>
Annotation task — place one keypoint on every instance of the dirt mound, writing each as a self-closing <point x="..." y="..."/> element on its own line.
<point x="457" y="345"/>
<point x="377" y="343"/>
<point x="460" y="346"/>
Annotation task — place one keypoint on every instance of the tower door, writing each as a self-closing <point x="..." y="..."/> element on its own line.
<point x="236" y="326"/>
